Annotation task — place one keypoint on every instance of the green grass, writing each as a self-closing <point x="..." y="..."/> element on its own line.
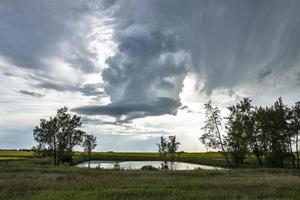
<point x="14" y="153"/>
<point x="33" y="180"/>
<point x="209" y="158"/>
<point x="11" y="158"/>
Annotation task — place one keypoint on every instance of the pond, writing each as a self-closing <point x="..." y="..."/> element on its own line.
<point x="136" y="165"/>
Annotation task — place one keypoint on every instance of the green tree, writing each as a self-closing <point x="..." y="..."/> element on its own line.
<point x="89" y="143"/>
<point x="46" y="137"/>
<point x="259" y="140"/>
<point x="173" y="146"/>
<point x="296" y="129"/>
<point x="163" y="152"/>
<point x="239" y="127"/>
<point x="212" y="137"/>
<point x="279" y="135"/>
<point x="59" y="135"/>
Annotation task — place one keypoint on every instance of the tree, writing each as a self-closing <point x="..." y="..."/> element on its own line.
<point x="259" y="139"/>
<point x="58" y="135"/>
<point x="163" y="152"/>
<point x="70" y="136"/>
<point x="279" y="138"/>
<point x="296" y="129"/>
<point x="239" y="128"/>
<point x="212" y="137"/>
<point x="168" y="150"/>
<point x="46" y="137"/>
<point x="173" y="146"/>
<point x="89" y="143"/>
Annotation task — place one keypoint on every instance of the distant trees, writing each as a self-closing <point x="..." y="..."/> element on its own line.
<point x="89" y="143"/>
<point x="168" y="150"/>
<point x="57" y="136"/>
<point x="268" y="133"/>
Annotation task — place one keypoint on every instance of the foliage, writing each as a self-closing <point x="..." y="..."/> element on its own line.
<point x="212" y="137"/>
<point x="268" y="133"/>
<point x="57" y="136"/>
<point x="148" y="167"/>
<point x="168" y="151"/>
<point x="239" y="128"/>
<point x="173" y="146"/>
<point x="89" y="143"/>
<point x="163" y="151"/>
<point x="295" y="129"/>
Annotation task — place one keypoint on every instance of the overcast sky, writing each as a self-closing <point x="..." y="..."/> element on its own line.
<point x="138" y="69"/>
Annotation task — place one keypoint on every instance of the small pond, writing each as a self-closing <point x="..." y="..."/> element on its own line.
<point x="136" y="165"/>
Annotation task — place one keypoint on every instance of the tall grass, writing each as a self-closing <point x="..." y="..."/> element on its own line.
<point x="22" y="181"/>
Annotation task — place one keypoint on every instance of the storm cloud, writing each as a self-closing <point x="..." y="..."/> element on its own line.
<point x="226" y="40"/>
<point x="159" y="106"/>
<point x="33" y="31"/>
<point x="144" y="63"/>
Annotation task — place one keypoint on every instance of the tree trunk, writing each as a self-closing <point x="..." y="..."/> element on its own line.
<point x="297" y="150"/>
<point x="70" y="151"/>
<point x="222" y="146"/>
<point x="58" y="156"/>
<point x="70" y="157"/>
<point x="256" y="152"/>
<point x="89" y="159"/>
<point x="54" y="150"/>
<point x="292" y="154"/>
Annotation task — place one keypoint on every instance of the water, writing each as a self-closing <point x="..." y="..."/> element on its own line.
<point x="136" y="165"/>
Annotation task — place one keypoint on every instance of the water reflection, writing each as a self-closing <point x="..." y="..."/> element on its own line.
<point x="136" y="165"/>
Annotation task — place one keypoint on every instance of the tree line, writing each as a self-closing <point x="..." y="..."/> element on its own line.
<point x="271" y="133"/>
<point x="57" y="137"/>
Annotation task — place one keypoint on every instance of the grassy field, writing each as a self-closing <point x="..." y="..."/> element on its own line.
<point x="35" y="178"/>
<point x="15" y="153"/>
<point x="209" y="158"/>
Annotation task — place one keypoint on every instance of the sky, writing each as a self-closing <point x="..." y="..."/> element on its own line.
<point x="136" y="70"/>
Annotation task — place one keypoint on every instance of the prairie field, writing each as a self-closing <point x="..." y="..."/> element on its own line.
<point x="35" y="178"/>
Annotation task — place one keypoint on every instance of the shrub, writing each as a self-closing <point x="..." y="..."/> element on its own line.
<point x="148" y="167"/>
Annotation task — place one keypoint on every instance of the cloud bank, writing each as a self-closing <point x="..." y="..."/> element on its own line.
<point x="146" y="63"/>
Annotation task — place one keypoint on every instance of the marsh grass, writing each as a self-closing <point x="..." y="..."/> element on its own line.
<point x="36" y="178"/>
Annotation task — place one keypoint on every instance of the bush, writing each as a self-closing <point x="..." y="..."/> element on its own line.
<point x="148" y="167"/>
<point x="164" y="167"/>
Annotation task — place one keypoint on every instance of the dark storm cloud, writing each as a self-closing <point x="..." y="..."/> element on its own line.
<point x="298" y="77"/>
<point x="227" y="40"/>
<point x="264" y="73"/>
<point x="131" y="111"/>
<point x="222" y="41"/>
<point x="34" y="30"/>
<point x="145" y="59"/>
<point x="30" y="93"/>
<point x="145" y="76"/>
<point x="158" y="43"/>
